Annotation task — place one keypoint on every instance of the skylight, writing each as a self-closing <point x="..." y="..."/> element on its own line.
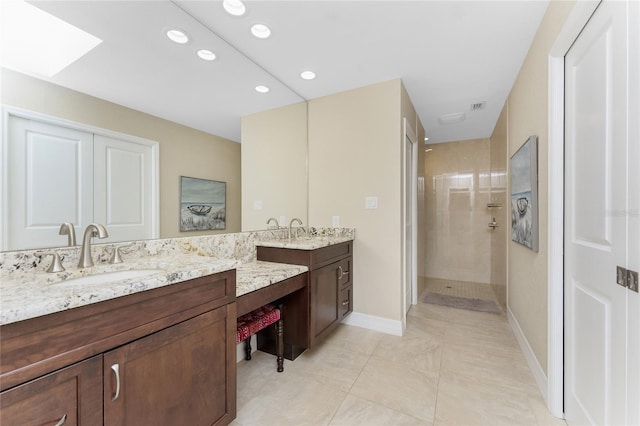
<point x="37" y="43"/>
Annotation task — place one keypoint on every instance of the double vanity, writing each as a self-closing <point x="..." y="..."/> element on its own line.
<point x="152" y="340"/>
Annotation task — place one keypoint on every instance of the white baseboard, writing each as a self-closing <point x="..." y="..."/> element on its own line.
<point x="372" y="322"/>
<point x="537" y="371"/>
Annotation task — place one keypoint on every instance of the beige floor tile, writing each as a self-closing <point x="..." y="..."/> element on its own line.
<point x="331" y="365"/>
<point x="425" y="327"/>
<point x="291" y="400"/>
<point x="543" y="416"/>
<point x="422" y="353"/>
<point x="359" y="412"/>
<point x="253" y="376"/>
<point x="355" y="339"/>
<point x="482" y="339"/>
<point x="489" y="368"/>
<point x="427" y="311"/>
<point x="399" y="387"/>
<point x="452" y="367"/>
<point x="466" y="402"/>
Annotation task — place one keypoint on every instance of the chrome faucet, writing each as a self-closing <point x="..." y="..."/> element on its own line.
<point x="295" y="219"/>
<point x="68" y="229"/>
<point x="273" y="219"/>
<point x="93" y="230"/>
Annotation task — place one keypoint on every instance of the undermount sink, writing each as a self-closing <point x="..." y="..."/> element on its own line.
<point x="108" y="277"/>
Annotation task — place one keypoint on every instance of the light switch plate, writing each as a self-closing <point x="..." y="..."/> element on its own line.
<point x="371" y="203"/>
<point x="257" y="205"/>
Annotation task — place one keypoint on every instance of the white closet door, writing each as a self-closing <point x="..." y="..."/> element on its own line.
<point x="124" y="189"/>
<point x="50" y="181"/>
<point x="595" y="222"/>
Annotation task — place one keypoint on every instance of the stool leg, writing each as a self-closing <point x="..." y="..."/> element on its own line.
<point x="247" y="348"/>
<point x="280" y="344"/>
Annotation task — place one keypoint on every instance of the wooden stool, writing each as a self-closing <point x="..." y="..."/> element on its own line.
<point x="249" y="324"/>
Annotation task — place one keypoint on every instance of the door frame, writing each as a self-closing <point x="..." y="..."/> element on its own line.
<point x="554" y="392"/>
<point x="409" y="137"/>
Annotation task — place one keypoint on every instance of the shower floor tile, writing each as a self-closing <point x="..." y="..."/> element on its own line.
<point x="465" y="289"/>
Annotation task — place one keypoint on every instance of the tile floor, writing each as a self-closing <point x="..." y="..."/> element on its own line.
<point x="452" y="367"/>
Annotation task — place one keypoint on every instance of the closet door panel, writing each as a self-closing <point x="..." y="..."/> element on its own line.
<point x="50" y="181"/>
<point x="124" y="189"/>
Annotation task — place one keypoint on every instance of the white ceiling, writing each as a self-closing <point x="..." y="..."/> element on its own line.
<point x="449" y="54"/>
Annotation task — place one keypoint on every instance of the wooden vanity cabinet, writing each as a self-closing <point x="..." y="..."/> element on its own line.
<point x="164" y="356"/>
<point x="330" y="283"/>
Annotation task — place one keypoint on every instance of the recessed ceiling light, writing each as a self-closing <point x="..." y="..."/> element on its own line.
<point x="178" y="36"/>
<point x="262" y="89"/>
<point x="260" y="31"/>
<point x="308" y="75"/>
<point x="207" y="55"/>
<point x="234" y="7"/>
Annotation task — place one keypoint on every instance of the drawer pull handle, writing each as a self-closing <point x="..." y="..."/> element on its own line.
<point x="341" y="272"/>
<point x="116" y="370"/>
<point x="345" y="303"/>
<point x="62" y="421"/>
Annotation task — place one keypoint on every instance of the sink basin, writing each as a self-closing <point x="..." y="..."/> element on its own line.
<point x="108" y="277"/>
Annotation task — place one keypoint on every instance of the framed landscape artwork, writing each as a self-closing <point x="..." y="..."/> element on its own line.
<point x="523" y="168"/>
<point x="202" y="204"/>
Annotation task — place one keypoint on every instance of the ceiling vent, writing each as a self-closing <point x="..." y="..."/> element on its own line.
<point x="477" y="106"/>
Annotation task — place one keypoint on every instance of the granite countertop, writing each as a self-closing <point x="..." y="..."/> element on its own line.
<point x="25" y="295"/>
<point x="256" y="275"/>
<point x="307" y="243"/>
<point x="29" y="295"/>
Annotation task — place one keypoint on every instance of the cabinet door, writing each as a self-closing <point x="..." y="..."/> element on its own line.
<point x="323" y="300"/>
<point x="183" y="375"/>
<point x="71" y="396"/>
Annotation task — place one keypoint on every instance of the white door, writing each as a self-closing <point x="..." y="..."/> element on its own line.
<point x="49" y="181"/>
<point x="595" y="220"/>
<point x="633" y="241"/>
<point x="124" y="189"/>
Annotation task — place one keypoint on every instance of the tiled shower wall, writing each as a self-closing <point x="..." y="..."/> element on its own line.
<point x="457" y="191"/>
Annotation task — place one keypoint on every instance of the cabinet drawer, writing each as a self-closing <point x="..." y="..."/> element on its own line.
<point x="345" y="301"/>
<point x="327" y="255"/>
<point x="344" y="272"/>
<point x="73" y="394"/>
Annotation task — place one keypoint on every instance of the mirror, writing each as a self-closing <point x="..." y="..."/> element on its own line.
<point x="195" y="115"/>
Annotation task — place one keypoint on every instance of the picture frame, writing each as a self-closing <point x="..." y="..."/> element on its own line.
<point x="523" y="167"/>
<point x="203" y="204"/>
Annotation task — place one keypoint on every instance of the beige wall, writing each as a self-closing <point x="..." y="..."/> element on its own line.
<point x="274" y="164"/>
<point x="458" y="240"/>
<point x="500" y="236"/>
<point x="528" y="115"/>
<point x="354" y="152"/>
<point x="183" y="151"/>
